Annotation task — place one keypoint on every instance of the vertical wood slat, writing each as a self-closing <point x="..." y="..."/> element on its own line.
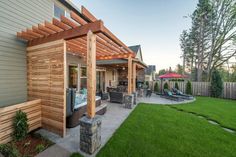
<point x="46" y="81"/>
<point x="91" y="73"/>
<point x="7" y="114"/>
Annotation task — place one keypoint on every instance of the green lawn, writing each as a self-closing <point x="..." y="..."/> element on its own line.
<point x="221" y="110"/>
<point x="160" y="131"/>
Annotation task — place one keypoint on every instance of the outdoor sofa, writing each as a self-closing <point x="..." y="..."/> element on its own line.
<point x="116" y="97"/>
<point x="76" y="107"/>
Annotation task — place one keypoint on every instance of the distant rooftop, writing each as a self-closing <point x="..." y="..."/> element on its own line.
<point x="135" y="48"/>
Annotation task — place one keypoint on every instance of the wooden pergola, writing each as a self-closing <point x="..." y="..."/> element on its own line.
<point x="48" y="45"/>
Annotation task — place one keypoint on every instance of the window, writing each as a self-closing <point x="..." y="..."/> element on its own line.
<point x="83" y="72"/>
<point x="83" y="77"/>
<point x="73" y="76"/>
<point x="58" y="11"/>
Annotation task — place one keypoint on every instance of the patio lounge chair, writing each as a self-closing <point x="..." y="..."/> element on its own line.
<point x="179" y="93"/>
<point x="169" y="95"/>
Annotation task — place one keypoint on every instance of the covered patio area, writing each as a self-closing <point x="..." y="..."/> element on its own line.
<point x="50" y="44"/>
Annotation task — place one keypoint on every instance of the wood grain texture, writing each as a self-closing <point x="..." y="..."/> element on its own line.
<point x="134" y="77"/>
<point x="7" y="114"/>
<point x="129" y="75"/>
<point x="46" y="81"/>
<point x="91" y="73"/>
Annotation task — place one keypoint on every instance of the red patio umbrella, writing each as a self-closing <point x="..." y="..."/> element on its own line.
<point x="170" y="75"/>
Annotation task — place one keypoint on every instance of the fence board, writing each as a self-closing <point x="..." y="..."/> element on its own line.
<point x="46" y="72"/>
<point x="203" y="88"/>
<point x="7" y="114"/>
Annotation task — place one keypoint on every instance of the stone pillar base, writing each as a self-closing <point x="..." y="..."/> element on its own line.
<point x="90" y="134"/>
<point x="135" y="98"/>
<point x="129" y="101"/>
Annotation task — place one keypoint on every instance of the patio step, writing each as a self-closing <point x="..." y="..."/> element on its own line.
<point x="100" y="110"/>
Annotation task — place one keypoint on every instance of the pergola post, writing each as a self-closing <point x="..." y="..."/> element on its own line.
<point x="129" y="98"/>
<point x="91" y="74"/>
<point x="129" y="75"/>
<point x="134" y="77"/>
<point x="90" y="125"/>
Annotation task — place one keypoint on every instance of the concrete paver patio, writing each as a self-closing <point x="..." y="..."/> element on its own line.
<point x="111" y="121"/>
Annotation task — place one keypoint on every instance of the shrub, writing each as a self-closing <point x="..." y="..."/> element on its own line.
<point x="20" y="125"/>
<point x="156" y="87"/>
<point x="8" y="150"/>
<point x="216" y="84"/>
<point x="189" y="88"/>
<point x="176" y="85"/>
<point x="166" y="86"/>
<point x="39" y="148"/>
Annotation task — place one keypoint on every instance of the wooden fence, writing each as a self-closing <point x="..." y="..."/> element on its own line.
<point x="203" y="88"/>
<point x="31" y="108"/>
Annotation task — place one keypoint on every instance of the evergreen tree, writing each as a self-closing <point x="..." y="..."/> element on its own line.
<point x="176" y="85"/>
<point x="189" y="88"/>
<point x="210" y="42"/>
<point x="156" y="87"/>
<point x="216" y="84"/>
<point x="166" y="86"/>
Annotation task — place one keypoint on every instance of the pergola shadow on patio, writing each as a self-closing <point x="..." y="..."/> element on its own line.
<point x="48" y="45"/>
<point x="111" y="121"/>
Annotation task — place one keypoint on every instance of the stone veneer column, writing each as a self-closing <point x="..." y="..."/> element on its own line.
<point x="129" y="101"/>
<point x="90" y="134"/>
<point x="135" y="98"/>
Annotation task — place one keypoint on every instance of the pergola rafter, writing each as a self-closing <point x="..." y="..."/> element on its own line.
<point x="74" y="30"/>
<point x="48" y="45"/>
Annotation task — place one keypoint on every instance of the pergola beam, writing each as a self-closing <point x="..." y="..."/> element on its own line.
<point x="106" y="32"/>
<point x="76" y="32"/>
<point x="102" y="38"/>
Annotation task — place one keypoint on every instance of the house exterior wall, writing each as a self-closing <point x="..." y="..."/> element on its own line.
<point x="17" y="15"/>
<point x="109" y="79"/>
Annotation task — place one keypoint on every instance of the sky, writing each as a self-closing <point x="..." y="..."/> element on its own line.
<point x="154" y="24"/>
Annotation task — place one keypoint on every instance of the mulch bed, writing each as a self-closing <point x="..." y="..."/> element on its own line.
<point x="27" y="147"/>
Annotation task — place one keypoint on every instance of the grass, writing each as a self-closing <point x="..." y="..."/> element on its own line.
<point x="221" y="110"/>
<point x="153" y="130"/>
<point x="75" y="155"/>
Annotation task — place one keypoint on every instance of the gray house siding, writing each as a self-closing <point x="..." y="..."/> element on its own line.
<point x="16" y="15"/>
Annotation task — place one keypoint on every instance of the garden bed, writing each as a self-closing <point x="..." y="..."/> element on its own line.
<point x="30" y="146"/>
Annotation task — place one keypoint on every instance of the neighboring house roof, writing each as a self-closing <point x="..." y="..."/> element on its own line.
<point x="137" y="50"/>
